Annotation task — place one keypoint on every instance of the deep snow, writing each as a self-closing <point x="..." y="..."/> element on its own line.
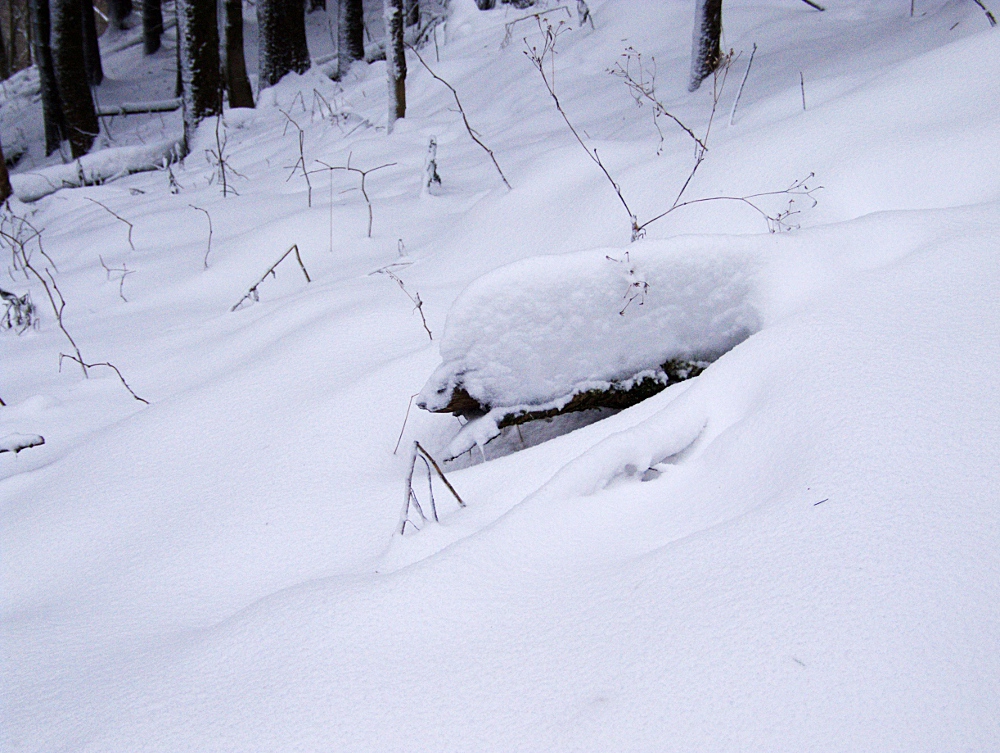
<point x="817" y="564"/>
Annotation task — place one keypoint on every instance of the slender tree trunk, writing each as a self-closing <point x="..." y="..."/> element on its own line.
<point x="235" y="68"/>
<point x="706" y="51"/>
<point x="350" y="35"/>
<point x="91" y="50"/>
<point x="4" y="62"/>
<point x="152" y="25"/>
<point x="51" y="110"/>
<point x="281" y="26"/>
<point x="5" y="189"/>
<point x="198" y="34"/>
<point x="395" y="60"/>
<point x="71" y="75"/>
<point x="411" y="11"/>
<point x="119" y="11"/>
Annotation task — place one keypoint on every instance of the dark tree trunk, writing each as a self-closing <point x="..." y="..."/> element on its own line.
<point x="91" y="50"/>
<point x="152" y="25"/>
<point x="51" y="109"/>
<point x="4" y="63"/>
<point x="282" y="45"/>
<point x="178" y="81"/>
<point x="201" y="80"/>
<point x="350" y="35"/>
<point x="411" y="12"/>
<point x="486" y="4"/>
<point x="706" y="51"/>
<point x="5" y="189"/>
<point x="119" y="11"/>
<point x="395" y="60"/>
<point x="71" y="75"/>
<point x="315" y="5"/>
<point x="235" y="68"/>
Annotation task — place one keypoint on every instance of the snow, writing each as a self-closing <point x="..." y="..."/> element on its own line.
<point x="814" y="564"/>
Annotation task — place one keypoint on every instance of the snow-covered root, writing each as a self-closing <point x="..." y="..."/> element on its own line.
<point x="95" y="169"/>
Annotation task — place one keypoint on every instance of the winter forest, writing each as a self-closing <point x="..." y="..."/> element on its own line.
<point x="499" y="375"/>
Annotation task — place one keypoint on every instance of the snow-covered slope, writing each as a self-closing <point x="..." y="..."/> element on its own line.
<point x="814" y="560"/>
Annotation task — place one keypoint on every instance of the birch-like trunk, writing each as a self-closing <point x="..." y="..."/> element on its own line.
<point x="706" y="51"/>
<point x="395" y="60"/>
<point x="71" y="75"/>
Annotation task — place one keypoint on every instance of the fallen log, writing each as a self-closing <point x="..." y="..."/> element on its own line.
<point x="141" y="108"/>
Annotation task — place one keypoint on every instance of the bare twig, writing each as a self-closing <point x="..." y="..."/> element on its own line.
<point x="739" y="93"/>
<point x="989" y="15"/>
<point x="301" y="162"/>
<point x="217" y="158"/>
<point x="363" y="174"/>
<point x="802" y="85"/>
<point x="123" y="271"/>
<point x="106" y="365"/>
<point x="252" y="294"/>
<point x="418" y="305"/>
<point x="465" y="119"/>
<point x="440" y="473"/>
<point x="817" y="6"/>
<point x="411" y="499"/>
<point x="405" y="419"/>
<point x="509" y="26"/>
<point x="116" y="216"/>
<point x="209" y="249"/>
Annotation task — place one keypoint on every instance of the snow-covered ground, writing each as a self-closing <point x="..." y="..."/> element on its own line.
<point x="797" y="550"/>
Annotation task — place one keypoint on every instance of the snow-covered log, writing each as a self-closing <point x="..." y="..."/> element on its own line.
<point x="141" y="108"/>
<point x="94" y="169"/>
<point x="17" y="442"/>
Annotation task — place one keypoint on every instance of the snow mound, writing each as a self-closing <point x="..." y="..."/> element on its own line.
<point x="547" y="327"/>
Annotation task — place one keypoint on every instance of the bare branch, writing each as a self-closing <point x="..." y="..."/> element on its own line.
<point x="116" y="216"/>
<point x="363" y="174"/>
<point x="418" y="305"/>
<point x="105" y="364"/>
<point x="209" y="249"/>
<point x="252" y="294"/>
<point x="301" y="163"/>
<point x="123" y="271"/>
<point x="465" y="119"/>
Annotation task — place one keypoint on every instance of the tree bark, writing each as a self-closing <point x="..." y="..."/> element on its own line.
<point x="71" y="75"/>
<point x="235" y="68"/>
<point x="119" y="11"/>
<point x="5" y="189"/>
<point x="51" y="109"/>
<point x="706" y="51"/>
<point x="282" y="46"/>
<point x="4" y="63"/>
<point x="315" y="5"/>
<point x="350" y="35"/>
<point x="198" y="32"/>
<point x="152" y="25"/>
<point x="91" y="50"/>
<point x="395" y="60"/>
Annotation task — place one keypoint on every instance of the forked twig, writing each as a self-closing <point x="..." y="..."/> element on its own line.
<point x="301" y="162"/>
<point x="364" y="174"/>
<point x="465" y="119"/>
<point x="252" y="294"/>
<point x="124" y="271"/>
<point x="411" y="500"/>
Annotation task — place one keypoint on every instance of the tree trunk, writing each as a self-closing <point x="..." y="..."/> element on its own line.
<point x="51" y="110"/>
<point x="198" y="34"/>
<point x="119" y="10"/>
<point x="395" y="60"/>
<point x="486" y="4"/>
<point x="71" y="75"/>
<point x="282" y="45"/>
<point x="5" y="189"/>
<point x="350" y="35"/>
<point x="705" y="47"/>
<point x="411" y="12"/>
<point x="152" y="25"/>
<point x="91" y="50"/>
<point x="235" y="69"/>
<point x="4" y="63"/>
<point x="315" y="5"/>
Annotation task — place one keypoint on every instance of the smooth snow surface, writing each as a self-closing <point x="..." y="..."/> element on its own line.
<point x="797" y="550"/>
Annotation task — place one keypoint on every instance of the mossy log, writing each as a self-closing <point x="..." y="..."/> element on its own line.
<point x="617" y="395"/>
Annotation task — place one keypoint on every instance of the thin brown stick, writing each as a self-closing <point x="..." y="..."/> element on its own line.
<point x="252" y="292"/>
<point x="105" y="364"/>
<point x="209" y="249"/>
<point x="465" y="119"/>
<point x="116" y="216"/>
<point x="817" y="6"/>
<point x="124" y="271"/>
<point x="418" y="305"/>
<point x="301" y="162"/>
<point x="440" y="473"/>
<point x="405" y="419"/>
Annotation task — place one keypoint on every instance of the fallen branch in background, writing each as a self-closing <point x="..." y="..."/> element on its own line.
<point x="252" y="294"/>
<point x="141" y="108"/>
<point x="411" y="497"/>
<point x="96" y="169"/>
<point x="106" y="365"/>
<point x="472" y="133"/>
<point x="418" y="305"/>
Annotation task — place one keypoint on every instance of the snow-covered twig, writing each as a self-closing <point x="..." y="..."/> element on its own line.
<point x="252" y="294"/>
<point x="17" y="442"/>
<point x="140" y="108"/>
<point x="465" y="119"/>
